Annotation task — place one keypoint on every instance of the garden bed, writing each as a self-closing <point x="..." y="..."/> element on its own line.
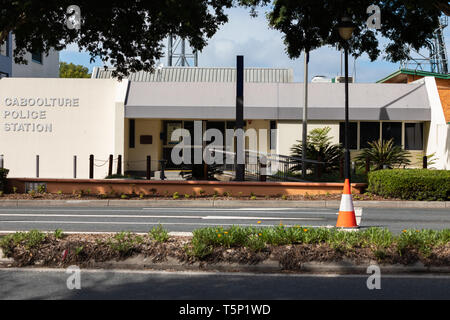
<point x="289" y="247"/>
<point x="176" y="196"/>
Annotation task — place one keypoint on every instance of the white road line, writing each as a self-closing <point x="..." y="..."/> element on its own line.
<point x="155" y="217"/>
<point x="294" y="210"/>
<point x="257" y="218"/>
<point x="148" y="223"/>
<point x="95" y="216"/>
<point x="178" y="210"/>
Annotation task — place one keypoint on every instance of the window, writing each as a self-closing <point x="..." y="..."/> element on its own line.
<point x="132" y="133"/>
<point x="36" y="57"/>
<point x="393" y="130"/>
<point x="414" y="136"/>
<point x="273" y="135"/>
<point x="352" y="135"/>
<point x="369" y="131"/>
<point x="4" y="48"/>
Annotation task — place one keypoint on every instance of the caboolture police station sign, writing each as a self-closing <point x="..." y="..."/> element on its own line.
<point x="20" y="114"/>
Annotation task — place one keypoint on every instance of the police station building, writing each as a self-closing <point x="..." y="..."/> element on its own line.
<point x="59" y="119"/>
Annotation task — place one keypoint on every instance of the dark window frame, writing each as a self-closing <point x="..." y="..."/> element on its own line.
<point x="398" y="141"/>
<point x="353" y="125"/>
<point x="132" y="134"/>
<point x="40" y="58"/>
<point x="362" y="142"/>
<point x="419" y="144"/>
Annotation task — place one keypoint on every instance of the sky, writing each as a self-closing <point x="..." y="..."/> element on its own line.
<point x="264" y="48"/>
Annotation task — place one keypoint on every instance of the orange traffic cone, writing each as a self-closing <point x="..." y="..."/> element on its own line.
<point x="347" y="218"/>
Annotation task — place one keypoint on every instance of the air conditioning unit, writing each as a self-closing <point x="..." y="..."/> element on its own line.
<point x="321" y="79"/>
<point x="342" y="80"/>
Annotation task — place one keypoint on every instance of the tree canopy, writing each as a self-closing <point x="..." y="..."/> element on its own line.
<point x="310" y="24"/>
<point x="129" y="35"/>
<point x="126" y="34"/>
<point x="70" y="70"/>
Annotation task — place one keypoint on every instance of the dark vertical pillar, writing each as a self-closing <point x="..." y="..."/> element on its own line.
<point x="119" y="165"/>
<point x="74" y="167"/>
<point x="425" y="162"/>
<point x="91" y="166"/>
<point x="240" y="167"/>
<point x="163" y="168"/>
<point x="37" y="166"/>
<point x="110" y="167"/>
<point x="149" y="167"/>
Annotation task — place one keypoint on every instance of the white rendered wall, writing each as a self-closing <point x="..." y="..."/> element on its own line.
<point x="86" y="123"/>
<point x="49" y="68"/>
<point x="439" y="132"/>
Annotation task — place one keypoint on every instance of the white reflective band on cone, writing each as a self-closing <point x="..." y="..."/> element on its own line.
<point x="346" y="203"/>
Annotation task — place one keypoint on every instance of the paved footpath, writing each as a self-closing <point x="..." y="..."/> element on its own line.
<point x="182" y="219"/>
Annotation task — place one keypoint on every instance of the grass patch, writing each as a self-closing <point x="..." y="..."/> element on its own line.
<point x="257" y="238"/>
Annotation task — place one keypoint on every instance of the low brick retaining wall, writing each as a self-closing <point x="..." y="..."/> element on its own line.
<point x="68" y="186"/>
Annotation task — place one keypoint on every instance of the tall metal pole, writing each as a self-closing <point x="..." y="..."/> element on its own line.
<point x="347" y="151"/>
<point x="305" y="116"/>
<point x="183" y="52"/>
<point x="240" y="167"/>
<point x="170" y="51"/>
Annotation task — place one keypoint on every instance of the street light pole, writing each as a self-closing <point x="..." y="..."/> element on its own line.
<point x="347" y="150"/>
<point x="305" y="116"/>
<point x="346" y="28"/>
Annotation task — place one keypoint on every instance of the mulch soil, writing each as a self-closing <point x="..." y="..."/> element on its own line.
<point x="84" y="249"/>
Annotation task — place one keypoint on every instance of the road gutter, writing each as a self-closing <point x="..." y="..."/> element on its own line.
<point x="222" y="204"/>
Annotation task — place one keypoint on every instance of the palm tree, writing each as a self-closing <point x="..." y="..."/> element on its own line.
<point x="319" y="147"/>
<point x="384" y="153"/>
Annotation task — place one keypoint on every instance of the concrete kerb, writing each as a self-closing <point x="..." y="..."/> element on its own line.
<point x="140" y="262"/>
<point x="223" y="203"/>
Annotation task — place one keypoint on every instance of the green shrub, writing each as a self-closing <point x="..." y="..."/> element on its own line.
<point x="41" y="188"/>
<point x="58" y="234"/>
<point x="411" y="184"/>
<point x="124" y="242"/>
<point x="29" y="240"/>
<point x="3" y="180"/>
<point x="159" y="234"/>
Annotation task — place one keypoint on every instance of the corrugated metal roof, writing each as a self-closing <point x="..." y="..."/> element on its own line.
<point x="198" y="74"/>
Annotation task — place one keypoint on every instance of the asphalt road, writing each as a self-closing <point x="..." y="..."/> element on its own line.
<point x="188" y="219"/>
<point x="52" y="284"/>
